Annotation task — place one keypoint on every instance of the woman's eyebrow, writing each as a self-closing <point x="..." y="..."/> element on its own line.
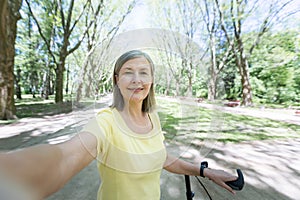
<point x="145" y="68"/>
<point x="131" y="68"/>
<point x="127" y="68"/>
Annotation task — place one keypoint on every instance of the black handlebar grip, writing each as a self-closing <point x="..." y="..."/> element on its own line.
<point x="238" y="184"/>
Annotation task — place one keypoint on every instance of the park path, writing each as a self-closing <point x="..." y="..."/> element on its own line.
<point x="271" y="171"/>
<point x="271" y="168"/>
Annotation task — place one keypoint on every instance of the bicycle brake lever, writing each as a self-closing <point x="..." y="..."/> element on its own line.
<point x="237" y="184"/>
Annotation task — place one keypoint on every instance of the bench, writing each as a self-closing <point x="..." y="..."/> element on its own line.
<point x="233" y="103"/>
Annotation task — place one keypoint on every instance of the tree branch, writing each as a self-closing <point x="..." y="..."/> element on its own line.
<point x="267" y="23"/>
<point x="222" y="21"/>
<point x="80" y="15"/>
<point x="62" y="15"/>
<point x="41" y="32"/>
<point x="76" y="46"/>
<point x="69" y="17"/>
<point x="225" y="57"/>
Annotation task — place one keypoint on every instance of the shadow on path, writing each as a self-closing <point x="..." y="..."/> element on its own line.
<point x="271" y="171"/>
<point x="269" y="174"/>
<point x="271" y="167"/>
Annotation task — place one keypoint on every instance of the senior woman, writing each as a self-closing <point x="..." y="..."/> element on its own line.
<point x="125" y="138"/>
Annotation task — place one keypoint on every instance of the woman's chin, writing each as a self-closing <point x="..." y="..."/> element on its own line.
<point x="136" y="98"/>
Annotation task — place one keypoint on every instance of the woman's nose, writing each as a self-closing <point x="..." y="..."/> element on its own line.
<point x="136" y="78"/>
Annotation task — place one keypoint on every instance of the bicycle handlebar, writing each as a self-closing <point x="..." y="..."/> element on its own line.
<point x="238" y="184"/>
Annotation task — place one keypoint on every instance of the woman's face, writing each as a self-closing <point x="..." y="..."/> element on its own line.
<point x="135" y="79"/>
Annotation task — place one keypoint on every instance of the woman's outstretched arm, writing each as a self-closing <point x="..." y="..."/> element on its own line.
<point x="178" y="166"/>
<point x="46" y="168"/>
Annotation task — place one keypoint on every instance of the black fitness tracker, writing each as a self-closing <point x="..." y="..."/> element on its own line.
<point x="204" y="165"/>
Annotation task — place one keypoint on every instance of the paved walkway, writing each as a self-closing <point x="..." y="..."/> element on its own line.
<point x="271" y="168"/>
<point x="271" y="171"/>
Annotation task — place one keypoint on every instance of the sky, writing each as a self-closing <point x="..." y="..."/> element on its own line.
<point x="139" y="17"/>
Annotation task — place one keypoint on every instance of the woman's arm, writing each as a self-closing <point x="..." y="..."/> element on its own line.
<point x="179" y="166"/>
<point x="46" y="168"/>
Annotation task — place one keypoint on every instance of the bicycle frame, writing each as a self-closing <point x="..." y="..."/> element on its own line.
<point x="189" y="194"/>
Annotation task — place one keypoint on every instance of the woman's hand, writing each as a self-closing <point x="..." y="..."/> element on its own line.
<point x="220" y="177"/>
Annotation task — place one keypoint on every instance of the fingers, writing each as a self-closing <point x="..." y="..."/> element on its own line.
<point x="220" y="177"/>
<point x="227" y="187"/>
<point x="224" y="185"/>
<point x="233" y="178"/>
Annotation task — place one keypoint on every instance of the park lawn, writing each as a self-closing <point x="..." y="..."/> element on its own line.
<point x="38" y="107"/>
<point x="188" y="124"/>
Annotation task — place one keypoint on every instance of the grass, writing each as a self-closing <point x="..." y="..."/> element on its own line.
<point x="38" y="107"/>
<point x="187" y="124"/>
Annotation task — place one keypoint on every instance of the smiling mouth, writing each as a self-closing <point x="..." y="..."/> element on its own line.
<point x="136" y="89"/>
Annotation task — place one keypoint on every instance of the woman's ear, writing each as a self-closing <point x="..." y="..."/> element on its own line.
<point x="117" y="79"/>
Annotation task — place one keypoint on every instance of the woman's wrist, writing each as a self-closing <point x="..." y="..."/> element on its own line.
<point x="207" y="172"/>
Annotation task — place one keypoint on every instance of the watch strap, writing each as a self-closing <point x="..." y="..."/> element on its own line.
<point x="204" y="165"/>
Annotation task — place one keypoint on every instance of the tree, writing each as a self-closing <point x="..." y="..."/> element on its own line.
<point x="29" y="52"/>
<point x="9" y="15"/>
<point x="94" y="72"/>
<point x="65" y="32"/>
<point x="215" y="45"/>
<point x="233" y="25"/>
<point x="182" y="18"/>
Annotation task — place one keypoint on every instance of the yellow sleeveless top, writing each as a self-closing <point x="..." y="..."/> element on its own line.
<point x="129" y="163"/>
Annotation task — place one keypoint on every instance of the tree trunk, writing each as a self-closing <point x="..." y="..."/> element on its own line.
<point x="244" y="73"/>
<point x="190" y="80"/>
<point x="60" y="69"/>
<point x="177" y="88"/>
<point x="213" y="66"/>
<point x="34" y="82"/>
<point x="52" y="84"/>
<point x="67" y="82"/>
<point x="245" y="80"/>
<point x="80" y="86"/>
<point x="190" y="87"/>
<point x="167" y="91"/>
<point x="18" y="86"/>
<point x="59" y="82"/>
<point x="47" y="85"/>
<point x="212" y="88"/>
<point x="79" y="91"/>
<point x="240" y="56"/>
<point x="9" y="15"/>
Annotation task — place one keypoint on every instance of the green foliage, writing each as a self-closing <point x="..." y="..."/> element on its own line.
<point x="231" y="80"/>
<point x="297" y="82"/>
<point x="275" y="69"/>
<point x="200" y="89"/>
<point x="29" y="55"/>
